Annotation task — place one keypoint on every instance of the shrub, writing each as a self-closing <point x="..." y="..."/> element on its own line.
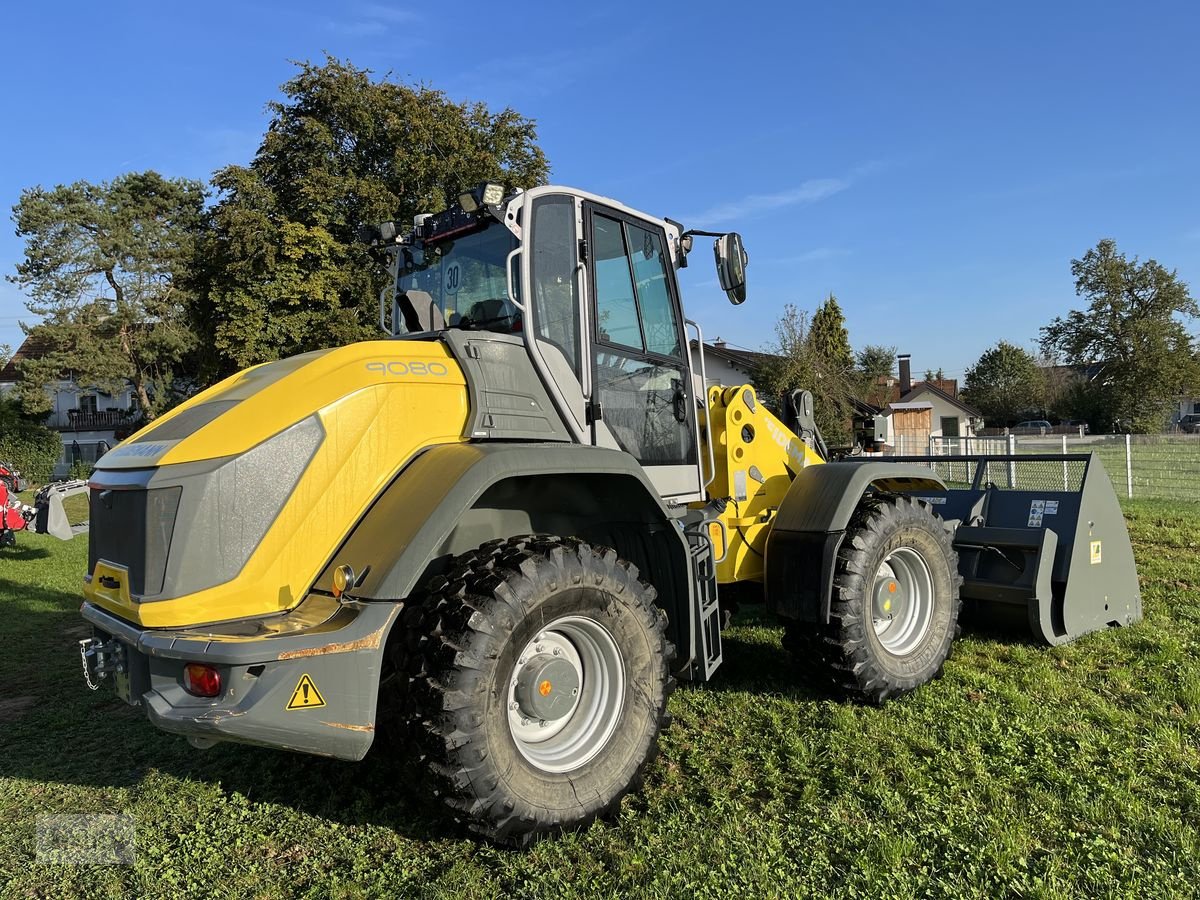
<point x="33" y="449"/>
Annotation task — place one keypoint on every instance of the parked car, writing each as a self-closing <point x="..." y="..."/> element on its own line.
<point x="1075" y="424"/>
<point x="1190" y="424"/>
<point x="1030" y="425"/>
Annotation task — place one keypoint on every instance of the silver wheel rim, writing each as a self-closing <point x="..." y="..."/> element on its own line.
<point x="575" y="737"/>
<point x="902" y="601"/>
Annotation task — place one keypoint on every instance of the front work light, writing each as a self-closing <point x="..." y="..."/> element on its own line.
<point x="487" y="194"/>
<point x="468" y="202"/>
<point x="492" y="194"/>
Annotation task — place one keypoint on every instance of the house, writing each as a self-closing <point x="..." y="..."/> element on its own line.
<point x="89" y="420"/>
<point x="728" y="366"/>
<point x="917" y="411"/>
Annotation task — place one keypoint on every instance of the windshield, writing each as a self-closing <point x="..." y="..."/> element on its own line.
<point x="459" y="282"/>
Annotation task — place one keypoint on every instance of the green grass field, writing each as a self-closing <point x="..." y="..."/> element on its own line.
<point x="1023" y="772"/>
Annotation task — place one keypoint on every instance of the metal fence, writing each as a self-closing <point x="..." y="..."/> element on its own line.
<point x="80" y="453"/>
<point x="1157" y="466"/>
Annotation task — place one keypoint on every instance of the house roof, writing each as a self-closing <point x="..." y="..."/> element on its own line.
<point x="743" y="359"/>
<point x="923" y="387"/>
<point x="912" y="405"/>
<point x="31" y="348"/>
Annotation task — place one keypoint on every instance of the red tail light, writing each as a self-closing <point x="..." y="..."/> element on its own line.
<point x="201" y="680"/>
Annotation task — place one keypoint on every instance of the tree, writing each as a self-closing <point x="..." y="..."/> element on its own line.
<point x="105" y="266"/>
<point x="877" y="361"/>
<point x="798" y="361"/>
<point x="828" y="336"/>
<point x="283" y="272"/>
<point x="876" y="364"/>
<point x="1133" y="326"/>
<point x="1005" y="383"/>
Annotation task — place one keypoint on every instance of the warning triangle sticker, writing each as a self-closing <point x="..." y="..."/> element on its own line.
<point x="306" y="695"/>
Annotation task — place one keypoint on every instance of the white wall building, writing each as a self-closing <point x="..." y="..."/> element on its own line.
<point x="89" y="420"/>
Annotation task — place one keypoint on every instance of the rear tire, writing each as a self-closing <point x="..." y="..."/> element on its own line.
<point x="517" y="755"/>
<point x="895" y="605"/>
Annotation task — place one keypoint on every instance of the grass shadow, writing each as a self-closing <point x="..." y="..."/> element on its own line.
<point x="21" y="552"/>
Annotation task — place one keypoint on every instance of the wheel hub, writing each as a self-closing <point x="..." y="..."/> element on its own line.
<point x="565" y="694"/>
<point x="890" y="596"/>
<point x="546" y="687"/>
<point x="902" y="601"/>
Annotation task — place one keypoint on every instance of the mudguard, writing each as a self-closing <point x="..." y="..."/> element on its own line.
<point x="432" y="512"/>
<point x="811" y="523"/>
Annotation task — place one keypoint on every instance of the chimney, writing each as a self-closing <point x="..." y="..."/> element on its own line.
<point x="719" y="343"/>
<point x="905" y="373"/>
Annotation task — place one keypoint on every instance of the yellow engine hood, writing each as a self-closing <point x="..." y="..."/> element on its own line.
<point x="378" y="403"/>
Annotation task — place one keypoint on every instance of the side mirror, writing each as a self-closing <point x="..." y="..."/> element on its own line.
<point x="731" y="266"/>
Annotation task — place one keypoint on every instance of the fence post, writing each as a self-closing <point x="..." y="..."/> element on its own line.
<point x="1129" y="466"/>
<point x="1065" y="488"/>
<point x="1012" y="465"/>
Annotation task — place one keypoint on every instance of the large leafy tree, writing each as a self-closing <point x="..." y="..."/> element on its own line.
<point x="282" y="270"/>
<point x="104" y="267"/>
<point x="1005" y="384"/>
<point x="1135" y="326"/>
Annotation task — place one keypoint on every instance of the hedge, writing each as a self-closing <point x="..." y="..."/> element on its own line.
<point x="33" y="449"/>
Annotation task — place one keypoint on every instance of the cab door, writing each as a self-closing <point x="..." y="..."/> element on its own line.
<point x="641" y="386"/>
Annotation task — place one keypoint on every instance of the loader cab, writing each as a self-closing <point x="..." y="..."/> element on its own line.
<point x="605" y="326"/>
<point x="589" y="286"/>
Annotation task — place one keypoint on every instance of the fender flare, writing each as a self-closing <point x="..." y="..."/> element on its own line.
<point x="807" y="532"/>
<point x="410" y="530"/>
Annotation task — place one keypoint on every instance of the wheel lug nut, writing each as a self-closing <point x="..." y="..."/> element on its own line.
<point x="524" y="721"/>
<point x="514" y="706"/>
<point x="558" y="651"/>
<point x="538" y="648"/>
<point x="542" y="723"/>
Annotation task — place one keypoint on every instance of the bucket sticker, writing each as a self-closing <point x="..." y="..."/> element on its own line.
<point x="1052" y="507"/>
<point x="1095" y="553"/>
<point x="1037" y="509"/>
<point x="936" y="501"/>
<point x="306" y="695"/>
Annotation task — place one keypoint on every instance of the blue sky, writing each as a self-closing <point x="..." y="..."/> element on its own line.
<point x="936" y="165"/>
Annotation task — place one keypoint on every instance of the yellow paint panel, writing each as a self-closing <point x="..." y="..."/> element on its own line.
<point x="376" y="413"/>
<point x="749" y="441"/>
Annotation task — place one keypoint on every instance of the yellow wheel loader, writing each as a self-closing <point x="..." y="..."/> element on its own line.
<point x="498" y="533"/>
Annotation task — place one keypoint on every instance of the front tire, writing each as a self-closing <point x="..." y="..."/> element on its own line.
<point x="895" y="605"/>
<point x="541" y="684"/>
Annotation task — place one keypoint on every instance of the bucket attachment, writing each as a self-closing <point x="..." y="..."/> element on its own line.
<point x="51" y="518"/>
<point x="1041" y="536"/>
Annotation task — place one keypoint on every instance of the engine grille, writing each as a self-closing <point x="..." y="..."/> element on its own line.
<point x="133" y="528"/>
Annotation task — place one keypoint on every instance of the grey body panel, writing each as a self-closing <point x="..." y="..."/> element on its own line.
<point x="808" y="530"/>
<point x="261" y="663"/>
<point x="507" y="398"/>
<point x="232" y="500"/>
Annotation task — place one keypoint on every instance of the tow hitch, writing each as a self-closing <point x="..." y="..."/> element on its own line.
<point x="103" y="658"/>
